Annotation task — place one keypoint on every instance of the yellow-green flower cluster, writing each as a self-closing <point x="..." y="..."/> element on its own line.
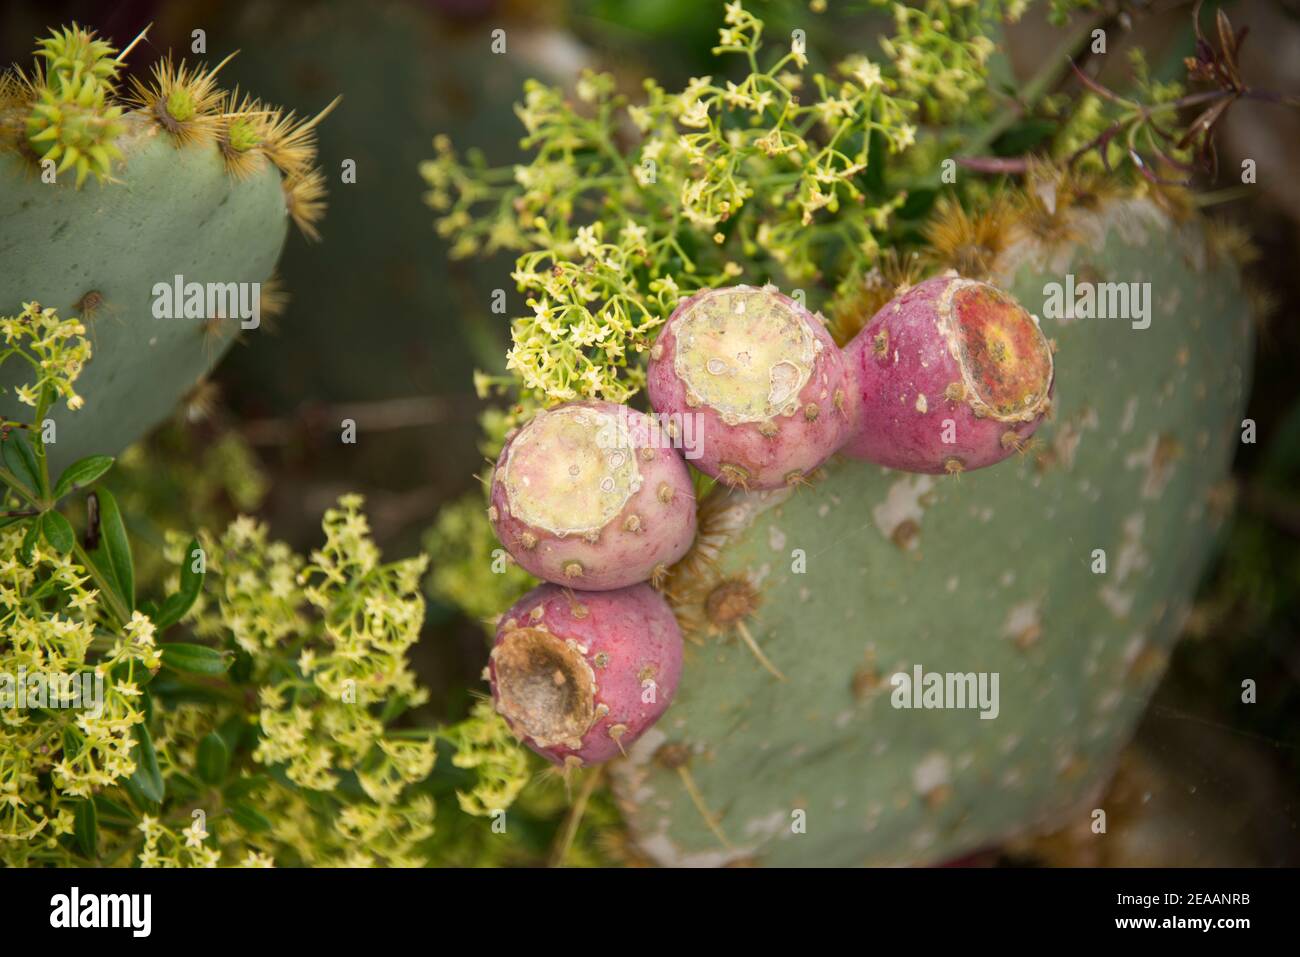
<point x="55" y="348"/>
<point x="485" y="745"/>
<point x="252" y="594"/>
<point x="50" y="625"/>
<point x="470" y="568"/>
<point x="940" y="53"/>
<point x="290" y="758"/>
<point x="165" y="846"/>
<point x="332" y="635"/>
<point x="776" y="175"/>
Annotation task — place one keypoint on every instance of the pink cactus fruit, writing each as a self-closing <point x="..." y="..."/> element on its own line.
<point x="757" y="379"/>
<point x="579" y="676"/>
<point x="594" y="496"/>
<point x="953" y="375"/>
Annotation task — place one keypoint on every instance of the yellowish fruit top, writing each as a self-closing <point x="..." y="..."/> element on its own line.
<point x="570" y="471"/>
<point x="746" y="353"/>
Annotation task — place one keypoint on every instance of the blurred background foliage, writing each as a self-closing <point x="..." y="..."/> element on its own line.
<point x="383" y="328"/>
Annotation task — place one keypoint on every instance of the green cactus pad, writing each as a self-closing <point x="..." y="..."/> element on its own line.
<point x="173" y="210"/>
<point x="991" y="571"/>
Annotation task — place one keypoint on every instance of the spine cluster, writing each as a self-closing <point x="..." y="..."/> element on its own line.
<point x="72" y="110"/>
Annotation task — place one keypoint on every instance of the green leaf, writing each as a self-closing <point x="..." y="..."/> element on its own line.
<point x="393" y="707"/>
<point x="137" y="796"/>
<point x="213" y="759"/>
<point x="175" y="606"/>
<point x="72" y="742"/>
<point x="58" y="532"/>
<point x="249" y="818"/>
<point x="147" y="777"/>
<point x="112" y="811"/>
<point x="114" y="548"/>
<point x="81" y="473"/>
<point x="242" y="670"/>
<point x="873" y="177"/>
<point x="28" y="547"/>
<point x="85" y="826"/>
<point x="195" y="659"/>
<point x="21" y="460"/>
<point x="242" y="787"/>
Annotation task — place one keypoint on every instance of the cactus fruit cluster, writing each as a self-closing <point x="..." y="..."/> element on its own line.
<point x="112" y="188"/>
<point x="596" y="496"/>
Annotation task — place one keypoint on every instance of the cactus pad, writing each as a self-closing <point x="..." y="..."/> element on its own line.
<point x="175" y="212"/>
<point x="104" y="195"/>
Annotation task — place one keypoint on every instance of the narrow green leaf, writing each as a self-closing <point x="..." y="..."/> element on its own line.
<point x="72" y="742"/>
<point x="195" y="659"/>
<point x="81" y="473"/>
<point x="241" y="672"/>
<point x="235" y="729"/>
<point x="873" y="176"/>
<point x="147" y="776"/>
<point x="58" y="532"/>
<point x="85" y="826"/>
<point x="28" y="548"/>
<point x="242" y="787"/>
<point x="213" y="759"/>
<point x="175" y="606"/>
<point x="115" y="548"/>
<point x="21" y="460"/>
<point x="918" y="203"/>
<point x="137" y="796"/>
<point x="112" y="811"/>
<point x="249" y="818"/>
<point x="393" y="707"/>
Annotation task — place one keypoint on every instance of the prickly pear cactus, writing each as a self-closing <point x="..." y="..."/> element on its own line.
<point x="107" y="191"/>
<point x="873" y="572"/>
